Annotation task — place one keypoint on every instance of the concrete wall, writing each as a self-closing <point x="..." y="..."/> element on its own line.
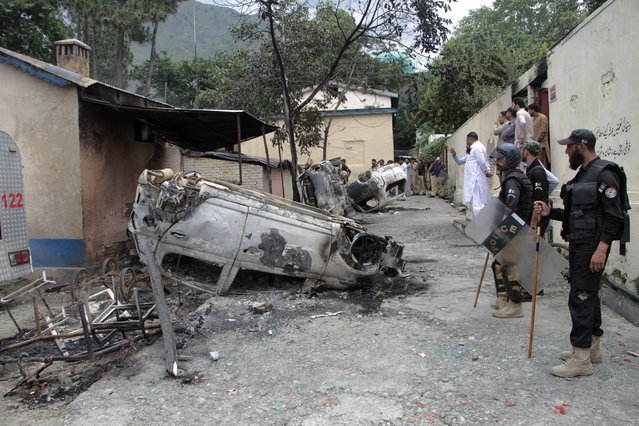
<point x="111" y="162"/>
<point x="358" y="138"/>
<point x="595" y="74"/>
<point x="593" y="81"/>
<point x="166" y="156"/>
<point x="43" y="120"/>
<point x="282" y="183"/>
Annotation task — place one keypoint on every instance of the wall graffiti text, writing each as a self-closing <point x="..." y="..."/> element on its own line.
<point x="619" y="150"/>
<point x="612" y="129"/>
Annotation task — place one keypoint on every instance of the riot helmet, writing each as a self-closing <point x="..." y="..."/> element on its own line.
<point x="510" y="152"/>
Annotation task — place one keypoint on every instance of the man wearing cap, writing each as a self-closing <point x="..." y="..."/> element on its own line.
<point x="476" y="172"/>
<point x="592" y="217"/>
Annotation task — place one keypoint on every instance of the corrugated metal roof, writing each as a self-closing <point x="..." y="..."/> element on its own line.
<point x="37" y="68"/>
<point x="195" y="129"/>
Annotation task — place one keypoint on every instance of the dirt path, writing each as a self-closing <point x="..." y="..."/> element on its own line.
<point x="417" y="357"/>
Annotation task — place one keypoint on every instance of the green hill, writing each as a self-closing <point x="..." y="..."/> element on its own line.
<point x="175" y="34"/>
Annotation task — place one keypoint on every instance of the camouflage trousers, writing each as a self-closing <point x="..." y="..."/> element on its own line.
<point x="507" y="281"/>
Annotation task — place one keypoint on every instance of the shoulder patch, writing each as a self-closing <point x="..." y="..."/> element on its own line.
<point x="611" y="192"/>
<point x="602" y="186"/>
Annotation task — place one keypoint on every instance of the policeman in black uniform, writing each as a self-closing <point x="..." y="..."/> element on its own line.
<point x="592" y="217"/>
<point x="537" y="175"/>
<point x="516" y="194"/>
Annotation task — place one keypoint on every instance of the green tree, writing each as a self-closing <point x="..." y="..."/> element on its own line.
<point x="31" y="26"/>
<point x="592" y="5"/>
<point x="288" y="34"/>
<point x="158" y="11"/>
<point x="109" y="26"/>
<point x="490" y="48"/>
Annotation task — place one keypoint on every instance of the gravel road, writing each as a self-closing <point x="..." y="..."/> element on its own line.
<point x="373" y="357"/>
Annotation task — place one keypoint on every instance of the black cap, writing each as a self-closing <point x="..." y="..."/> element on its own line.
<point x="579" y="136"/>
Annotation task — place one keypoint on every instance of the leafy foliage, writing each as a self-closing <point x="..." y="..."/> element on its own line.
<point x="31" y="26"/>
<point x="436" y="148"/>
<point x="335" y="36"/>
<point x="109" y="26"/>
<point x="491" y="47"/>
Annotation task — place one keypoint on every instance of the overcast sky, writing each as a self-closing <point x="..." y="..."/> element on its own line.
<point x="460" y="8"/>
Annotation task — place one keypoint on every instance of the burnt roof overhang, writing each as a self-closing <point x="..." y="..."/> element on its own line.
<point x="195" y="129"/>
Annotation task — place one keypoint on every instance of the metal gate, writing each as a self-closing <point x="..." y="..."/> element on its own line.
<point x="15" y="258"/>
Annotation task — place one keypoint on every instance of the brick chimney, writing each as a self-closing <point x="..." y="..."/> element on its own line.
<point x="73" y="55"/>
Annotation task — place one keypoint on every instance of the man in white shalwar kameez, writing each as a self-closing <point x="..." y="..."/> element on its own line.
<point x="476" y="172"/>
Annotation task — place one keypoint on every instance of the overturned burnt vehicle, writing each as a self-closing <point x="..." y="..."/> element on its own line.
<point x="376" y="188"/>
<point x="322" y="187"/>
<point x="220" y="228"/>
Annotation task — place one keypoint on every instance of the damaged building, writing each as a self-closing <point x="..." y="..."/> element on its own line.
<point x="83" y="145"/>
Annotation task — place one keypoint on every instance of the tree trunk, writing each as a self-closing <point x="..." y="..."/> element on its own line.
<point x="156" y="22"/>
<point x="289" y="110"/>
<point x="290" y="132"/>
<point x="119" y="60"/>
<point x="325" y="144"/>
<point x="94" y="50"/>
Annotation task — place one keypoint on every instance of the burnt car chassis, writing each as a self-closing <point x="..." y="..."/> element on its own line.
<point x="226" y="228"/>
<point x="321" y="186"/>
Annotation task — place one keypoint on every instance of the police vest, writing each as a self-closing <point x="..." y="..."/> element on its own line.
<point x="584" y="210"/>
<point x="524" y="208"/>
<point x="538" y="167"/>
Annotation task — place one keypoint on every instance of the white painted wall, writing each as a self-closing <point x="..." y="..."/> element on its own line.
<point x="360" y="99"/>
<point x="595" y="74"/>
<point x="595" y="71"/>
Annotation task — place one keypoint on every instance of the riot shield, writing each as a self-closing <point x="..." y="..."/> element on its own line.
<point x="513" y="244"/>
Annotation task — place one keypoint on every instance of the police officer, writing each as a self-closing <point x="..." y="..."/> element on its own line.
<point x="592" y="217"/>
<point x="516" y="194"/>
<point x="537" y="175"/>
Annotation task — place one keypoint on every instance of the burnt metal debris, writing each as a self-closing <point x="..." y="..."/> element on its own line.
<point x="377" y="188"/>
<point x="217" y="228"/>
<point x="108" y="311"/>
<point x="321" y="186"/>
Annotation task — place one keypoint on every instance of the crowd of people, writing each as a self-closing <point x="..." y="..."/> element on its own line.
<point x="594" y="213"/>
<point x="595" y="203"/>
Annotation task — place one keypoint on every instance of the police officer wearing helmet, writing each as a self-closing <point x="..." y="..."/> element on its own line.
<point x="516" y="194"/>
<point x="592" y="217"/>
